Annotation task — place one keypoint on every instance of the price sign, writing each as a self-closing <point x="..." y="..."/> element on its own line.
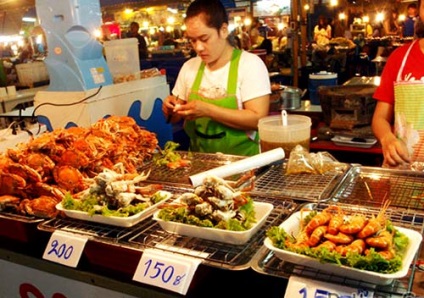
<point x="299" y="287"/>
<point x="65" y="248"/>
<point x="166" y="270"/>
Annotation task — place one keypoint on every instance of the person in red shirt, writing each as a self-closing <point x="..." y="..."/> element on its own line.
<point x="397" y="122"/>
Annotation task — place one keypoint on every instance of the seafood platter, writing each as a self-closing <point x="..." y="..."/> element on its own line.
<point x="371" y="236"/>
<point x="116" y="199"/>
<point x="378" y="257"/>
<point x="112" y="183"/>
<point x="214" y="201"/>
<point x="36" y="176"/>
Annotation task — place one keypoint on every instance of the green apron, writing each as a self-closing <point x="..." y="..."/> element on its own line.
<point x="409" y="106"/>
<point x="210" y="136"/>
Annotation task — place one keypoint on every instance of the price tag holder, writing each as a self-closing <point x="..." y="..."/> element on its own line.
<point x="300" y="287"/>
<point x="65" y="248"/>
<point x="166" y="270"/>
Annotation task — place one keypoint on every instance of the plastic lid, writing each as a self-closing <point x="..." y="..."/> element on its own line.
<point x="323" y="75"/>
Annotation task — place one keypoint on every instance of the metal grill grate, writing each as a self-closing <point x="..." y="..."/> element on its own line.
<point x="213" y="253"/>
<point x="97" y="232"/>
<point x="266" y="262"/>
<point x="200" y="162"/>
<point x="368" y="186"/>
<point x="100" y="232"/>
<point x="20" y="218"/>
<point x="149" y="234"/>
<point x="305" y="187"/>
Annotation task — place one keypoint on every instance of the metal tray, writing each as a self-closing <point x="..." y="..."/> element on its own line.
<point x="265" y="262"/>
<point x="303" y="187"/>
<point x="370" y="186"/>
<point x="200" y="162"/>
<point x="149" y="234"/>
<point x="18" y="227"/>
<point x="213" y="253"/>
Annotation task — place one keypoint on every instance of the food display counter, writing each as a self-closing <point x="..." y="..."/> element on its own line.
<point x="111" y="255"/>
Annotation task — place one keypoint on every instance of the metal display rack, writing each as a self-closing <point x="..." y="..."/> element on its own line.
<point x="265" y="262"/>
<point x="368" y="186"/>
<point x="359" y="188"/>
<point x="303" y="187"/>
<point x="149" y="234"/>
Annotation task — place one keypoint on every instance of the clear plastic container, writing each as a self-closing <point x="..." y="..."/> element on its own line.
<point x="122" y="59"/>
<point x="273" y="134"/>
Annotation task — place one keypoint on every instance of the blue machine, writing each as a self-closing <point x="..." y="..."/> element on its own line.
<point x="75" y="60"/>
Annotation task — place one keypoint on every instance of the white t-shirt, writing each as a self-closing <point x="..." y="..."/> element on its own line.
<point x="252" y="81"/>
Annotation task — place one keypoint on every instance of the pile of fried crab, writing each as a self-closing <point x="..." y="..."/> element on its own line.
<point x="35" y="176"/>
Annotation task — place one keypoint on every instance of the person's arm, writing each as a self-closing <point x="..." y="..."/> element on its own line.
<point x="316" y="33"/>
<point x="169" y="106"/>
<point x="328" y="31"/>
<point x="394" y="150"/>
<point x="245" y="119"/>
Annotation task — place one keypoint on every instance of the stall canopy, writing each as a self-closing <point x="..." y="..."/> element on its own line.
<point x="11" y="13"/>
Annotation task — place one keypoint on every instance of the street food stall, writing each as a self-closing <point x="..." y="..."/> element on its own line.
<point x="91" y="206"/>
<point x="110" y="253"/>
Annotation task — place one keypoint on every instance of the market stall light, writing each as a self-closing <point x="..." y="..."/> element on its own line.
<point x="39" y="39"/>
<point x="333" y="3"/>
<point x="11" y="38"/>
<point x="247" y="21"/>
<point x="173" y="10"/>
<point x="183" y="27"/>
<point x="342" y="16"/>
<point x="169" y="29"/>
<point x="146" y="24"/>
<point x="29" y="19"/>
<point x="97" y="33"/>
<point x="402" y="18"/>
<point x="366" y="19"/>
<point x="128" y="10"/>
<point x="306" y="7"/>
<point x="171" y="20"/>
<point x="379" y="17"/>
<point x="280" y="26"/>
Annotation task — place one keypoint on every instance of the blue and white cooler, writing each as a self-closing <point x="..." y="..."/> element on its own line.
<point x="322" y="78"/>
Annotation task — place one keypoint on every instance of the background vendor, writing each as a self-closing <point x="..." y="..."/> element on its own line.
<point x="222" y="92"/>
<point x="397" y="121"/>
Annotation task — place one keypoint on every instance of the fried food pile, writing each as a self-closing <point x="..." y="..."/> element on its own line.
<point x="214" y="204"/>
<point x="355" y="240"/>
<point x="58" y="162"/>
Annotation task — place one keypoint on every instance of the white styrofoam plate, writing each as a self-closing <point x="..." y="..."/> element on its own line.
<point x="115" y="220"/>
<point x="292" y="227"/>
<point x="349" y="141"/>
<point x="262" y="210"/>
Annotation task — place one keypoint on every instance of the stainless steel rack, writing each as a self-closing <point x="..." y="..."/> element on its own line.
<point x="96" y="231"/>
<point x="369" y="186"/>
<point x="274" y="182"/>
<point x="149" y="234"/>
<point x="199" y="162"/>
<point x="265" y="262"/>
<point x="18" y="227"/>
<point x="216" y="254"/>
